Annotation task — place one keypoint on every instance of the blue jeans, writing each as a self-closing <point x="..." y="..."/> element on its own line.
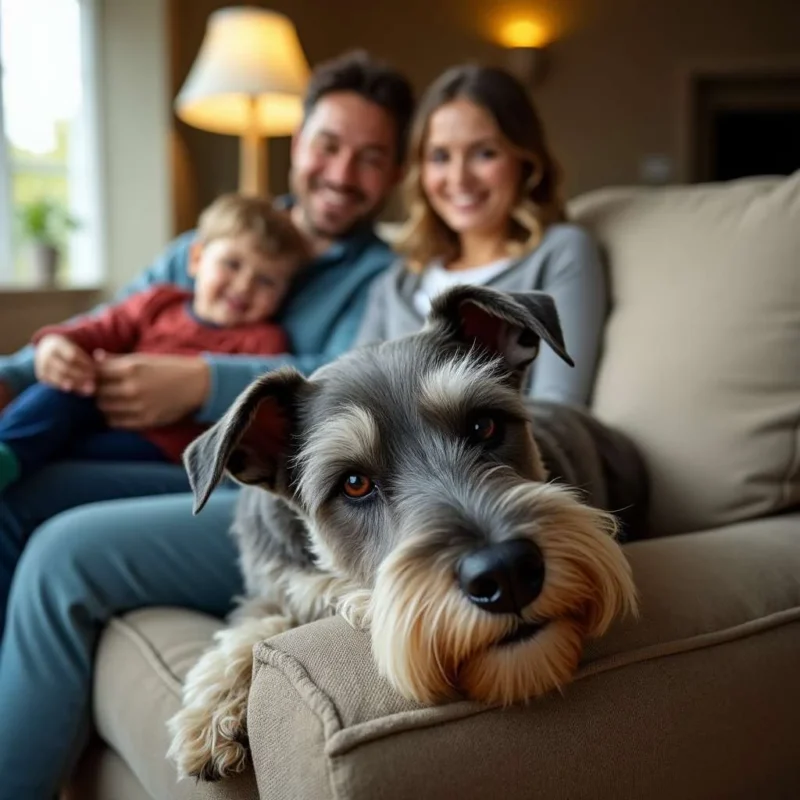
<point x="27" y="504"/>
<point x="44" y="424"/>
<point x="78" y="570"/>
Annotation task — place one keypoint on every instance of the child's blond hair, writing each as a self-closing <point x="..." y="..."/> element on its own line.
<point x="235" y="214"/>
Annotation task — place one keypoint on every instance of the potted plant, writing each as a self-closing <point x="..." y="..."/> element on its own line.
<point x="45" y="224"/>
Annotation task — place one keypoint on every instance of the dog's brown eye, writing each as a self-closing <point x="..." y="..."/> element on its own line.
<point x="485" y="429"/>
<point x="357" y="486"/>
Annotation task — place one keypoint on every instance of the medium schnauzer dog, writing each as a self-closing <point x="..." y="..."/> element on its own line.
<point x="411" y="488"/>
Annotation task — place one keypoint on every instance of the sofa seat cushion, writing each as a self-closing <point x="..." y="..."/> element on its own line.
<point x="103" y="774"/>
<point x="698" y="698"/>
<point x="701" y="358"/>
<point x="141" y="661"/>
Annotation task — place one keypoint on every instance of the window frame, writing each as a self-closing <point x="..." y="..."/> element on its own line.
<point x="87" y="245"/>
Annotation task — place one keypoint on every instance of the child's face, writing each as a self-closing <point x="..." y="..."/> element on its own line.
<point x="235" y="283"/>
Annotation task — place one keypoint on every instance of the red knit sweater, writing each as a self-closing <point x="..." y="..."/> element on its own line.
<point x="160" y="320"/>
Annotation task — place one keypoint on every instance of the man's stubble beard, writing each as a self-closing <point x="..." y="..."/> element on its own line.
<point x="321" y="239"/>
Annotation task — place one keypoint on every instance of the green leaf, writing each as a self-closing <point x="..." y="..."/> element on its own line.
<point x="45" y="220"/>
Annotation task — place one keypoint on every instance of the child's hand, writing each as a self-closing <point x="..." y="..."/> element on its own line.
<point x="59" y="362"/>
<point x="148" y="390"/>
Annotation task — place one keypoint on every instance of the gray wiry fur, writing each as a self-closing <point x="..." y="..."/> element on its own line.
<point x="400" y="413"/>
<point x="601" y="463"/>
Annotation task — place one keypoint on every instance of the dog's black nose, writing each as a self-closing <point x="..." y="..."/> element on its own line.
<point x="503" y="578"/>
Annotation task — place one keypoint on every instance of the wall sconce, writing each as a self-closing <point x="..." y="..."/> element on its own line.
<point x="527" y="64"/>
<point x="525" y="41"/>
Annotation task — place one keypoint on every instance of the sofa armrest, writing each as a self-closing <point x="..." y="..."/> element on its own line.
<point x="699" y="698"/>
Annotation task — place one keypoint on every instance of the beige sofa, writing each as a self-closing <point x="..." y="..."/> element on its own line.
<point x="701" y="697"/>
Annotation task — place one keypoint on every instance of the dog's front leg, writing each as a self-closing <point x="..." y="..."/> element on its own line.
<point x="209" y="734"/>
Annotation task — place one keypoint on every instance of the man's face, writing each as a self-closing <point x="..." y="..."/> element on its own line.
<point x="343" y="164"/>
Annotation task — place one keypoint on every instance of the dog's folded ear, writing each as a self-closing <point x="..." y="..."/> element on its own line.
<point x="252" y="441"/>
<point x="511" y="325"/>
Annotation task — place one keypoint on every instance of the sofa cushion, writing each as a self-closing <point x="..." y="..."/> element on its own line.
<point x="701" y="361"/>
<point x="102" y="774"/>
<point x="142" y="660"/>
<point x="699" y="699"/>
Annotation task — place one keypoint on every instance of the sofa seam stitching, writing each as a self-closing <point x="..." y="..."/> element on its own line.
<point x="150" y="654"/>
<point x="793" y="466"/>
<point x="266" y="661"/>
<point x="690" y="644"/>
<point x="733" y="634"/>
<point x="322" y="705"/>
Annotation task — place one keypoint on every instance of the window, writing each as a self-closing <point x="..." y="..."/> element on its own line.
<point x="49" y="143"/>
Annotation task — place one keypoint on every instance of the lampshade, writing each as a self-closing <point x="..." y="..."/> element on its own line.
<point x="249" y="76"/>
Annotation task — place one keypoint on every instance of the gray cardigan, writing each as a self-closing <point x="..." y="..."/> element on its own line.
<point x="565" y="265"/>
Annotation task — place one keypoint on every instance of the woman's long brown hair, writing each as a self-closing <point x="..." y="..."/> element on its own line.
<point x="505" y="99"/>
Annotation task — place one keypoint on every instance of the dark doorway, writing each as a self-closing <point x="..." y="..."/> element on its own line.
<point x="746" y="126"/>
<point x="755" y="143"/>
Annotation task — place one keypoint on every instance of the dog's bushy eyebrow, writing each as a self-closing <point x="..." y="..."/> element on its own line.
<point x="453" y="388"/>
<point x="347" y="438"/>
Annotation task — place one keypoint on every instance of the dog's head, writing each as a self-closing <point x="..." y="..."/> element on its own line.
<point x="414" y="466"/>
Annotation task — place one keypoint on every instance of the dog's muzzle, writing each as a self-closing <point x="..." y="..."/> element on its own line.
<point x="503" y="578"/>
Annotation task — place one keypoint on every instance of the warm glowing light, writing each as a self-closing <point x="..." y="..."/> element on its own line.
<point x="248" y="54"/>
<point x="521" y="32"/>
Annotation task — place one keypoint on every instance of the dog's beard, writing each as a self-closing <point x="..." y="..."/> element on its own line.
<point x="433" y="644"/>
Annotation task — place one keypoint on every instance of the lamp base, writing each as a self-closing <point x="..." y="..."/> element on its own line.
<point x="253" y="165"/>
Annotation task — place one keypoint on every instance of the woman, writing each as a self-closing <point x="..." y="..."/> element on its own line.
<point x="483" y="192"/>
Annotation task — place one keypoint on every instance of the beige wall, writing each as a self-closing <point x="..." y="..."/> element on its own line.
<point x="135" y="108"/>
<point x="612" y="95"/>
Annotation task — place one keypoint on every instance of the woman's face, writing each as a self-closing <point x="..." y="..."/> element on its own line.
<point x="470" y="177"/>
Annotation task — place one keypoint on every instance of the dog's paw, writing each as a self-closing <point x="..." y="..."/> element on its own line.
<point x="209" y="748"/>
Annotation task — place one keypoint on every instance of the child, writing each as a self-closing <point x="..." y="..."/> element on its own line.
<point x="243" y="261"/>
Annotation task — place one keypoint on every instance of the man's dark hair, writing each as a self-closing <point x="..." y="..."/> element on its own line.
<point x="375" y="81"/>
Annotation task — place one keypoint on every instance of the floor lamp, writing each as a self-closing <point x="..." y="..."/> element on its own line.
<point x="247" y="80"/>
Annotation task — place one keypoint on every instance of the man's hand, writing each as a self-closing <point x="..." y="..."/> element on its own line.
<point x="139" y="390"/>
<point x="6" y="395"/>
<point x="59" y="362"/>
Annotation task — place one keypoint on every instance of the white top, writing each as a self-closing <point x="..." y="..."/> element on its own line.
<point x="436" y="279"/>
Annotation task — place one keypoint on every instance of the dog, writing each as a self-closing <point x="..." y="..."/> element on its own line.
<point x="411" y="488"/>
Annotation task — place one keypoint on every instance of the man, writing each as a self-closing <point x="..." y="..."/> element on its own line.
<point x="106" y="557"/>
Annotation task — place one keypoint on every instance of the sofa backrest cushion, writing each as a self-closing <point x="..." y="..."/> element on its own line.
<point x="701" y="356"/>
